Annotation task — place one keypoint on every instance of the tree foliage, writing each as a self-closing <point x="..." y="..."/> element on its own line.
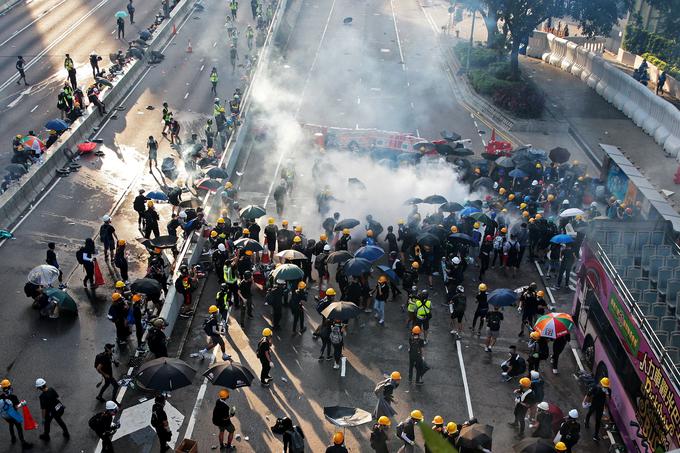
<point x="669" y="17"/>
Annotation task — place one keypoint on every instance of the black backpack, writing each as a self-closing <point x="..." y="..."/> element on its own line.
<point x="96" y="423"/>
<point x="80" y="255"/>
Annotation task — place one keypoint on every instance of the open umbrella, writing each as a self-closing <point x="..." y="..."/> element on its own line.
<point x="252" y="212"/>
<point x="483" y="182"/>
<point x="424" y="147"/>
<point x="482" y="218"/>
<point x="346" y="223"/>
<point x="208" y="184"/>
<point x="437" y="230"/>
<point x="505" y="162"/>
<point x="412" y="158"/>
<point x="16" y="170"/>
<point x="217" y="173"/>
<point x="43" y="275"/>
<point x="341" y="311"/>
<point x="534" y="445"/>
<point x="228" y="374"/>
<point x="356" y="183"/>
<point x="370" y="253"/>
<point x="462" y="237"/>
<point x="450" y="136"/>
<point x="339" y="257"/>
<point x="345" y="417"/>
<point x="157" y="195"/>
<point x="554" y="325"/>
<point x="468" y="211"/>
<point x="502" y="297"/>
<point x="148" y="286"/>
<point x="56" y="125"/>
<point x="389" y="272"/>
<point x="165" y="374"/>
<point x="34" y="143"/>
<point x="475" y="437"/>
<point x="291" y="255"/>
<point x="428" y="239"/>
<point x="559" y="155"/>
<point x="414" y="200"/>
<point x="288" y="272"/>
<point x="571" y="212"/>
<point x="64" y="300"/>
<point x="490" y="156"/>
<point x="462" y="152"/>
<point x="451" y="206"/>
<point x="517" y="173"/>
<point x="121" y="13"/>
<point x="86" y="147"/>
<point x="248" y="244"/>
<point x="356" y="266"/>
<point x="562" y="239"/>
<point x="445" y="149"/>
<point x="434" y="199"/>
<point x="164" y="242"/>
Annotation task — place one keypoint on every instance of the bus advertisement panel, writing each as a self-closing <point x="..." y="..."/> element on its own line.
<point x="642" y="390"/>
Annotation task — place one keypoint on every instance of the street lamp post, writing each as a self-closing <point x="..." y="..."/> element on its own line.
<point x="472" y="34"/>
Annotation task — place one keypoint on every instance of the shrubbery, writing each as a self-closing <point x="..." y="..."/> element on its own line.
<point x="662" y="52"/>
<point x="672" y="71"/>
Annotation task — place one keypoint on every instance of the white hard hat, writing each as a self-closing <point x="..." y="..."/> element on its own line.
<point x="280" y="282"/>
<point x="593" y="204"/>
<point x="40" y="382"/>
<point x="456" y="260"/>
<point x="534" y="183"/>
<point x="534" y="374"/>
<point x="111" y="406"/>
<point x="543" y="406"/>
<point x="106" y="218"/>
<point x="326" y="248"/>
<point x="183" y="215"/>
<point x="573" y="413"/>
<point x="221" y="248"/>
<point x="217" y="100"/>
<point x="565" y="202"/>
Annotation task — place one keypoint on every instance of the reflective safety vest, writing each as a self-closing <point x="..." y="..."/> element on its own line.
<point x="222" y="299"/>
<point x="217" y="109"/>
<point x="423" y="309"/>
<point x="229" y="275"/>
<point x="68" y="64"/>
<point x="213" y="77"/>
<point x="233" y="6"/>
<point x="411" y="305"/>
<point x="250" y="33"/>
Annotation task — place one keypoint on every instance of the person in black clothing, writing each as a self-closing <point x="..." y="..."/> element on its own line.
<point x="138" y="315"/>
<point x="264" y="347"/>
<point x="524" y="398"/>
<point x="121" y="27"/>
<point x="544" y="422"/>
<point x="379" y="435"/>
<point x="415" y="355"/>
<point x="151" y="219"/>
<point x="94" y="62"/>
<point x="7" y="397"/>
<point x="20" y="68"/>
<point x="297" y="307"/>
<point x="391" y="239"/>
<point x="558" y="346"/>
<point x="51" y="259"/>
<point x="131" y="11"/>
<point x="274" y="298"/>
<point x="156" y="338"/>
<point x="598" y="397"/>
<point x="159" y="421"/>
<point x="514" y="365"/>
<point x="103" y="364"/>
<point x="221" y="417"/>
<point x="89" y="256"/>
<point x="482" y="309"/>
<point x="120" y="260"/>
<point x="51" y="408"/>
<point x="570" y="430"/>
<point x="138" y="205"/>
<point x="528" y="305"/>
<point x="338" y="441"/>
<point x="102" y="423"/>
<point x="485" y="255"/>
<point x="291" y="435"/>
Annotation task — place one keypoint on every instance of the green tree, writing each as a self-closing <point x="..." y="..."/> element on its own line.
<point x="669" y="17"/>
<point x="489" y="10"/>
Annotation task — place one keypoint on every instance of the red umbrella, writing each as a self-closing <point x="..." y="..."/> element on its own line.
<point x="86" y="147"/>
<point x="557" y="416"/>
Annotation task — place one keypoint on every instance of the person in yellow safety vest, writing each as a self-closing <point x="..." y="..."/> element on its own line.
<point x="233" y="6"/>
<point x="222" y="302"/>
<point x="217" y="108"/>
<point x="232" y="282"/>
<point x="423" y="312"/>
<point x="411" y="308"/>
<point x="213" y="80"/>
<point x="250" y="35"/>
<point x="71" y="69"/>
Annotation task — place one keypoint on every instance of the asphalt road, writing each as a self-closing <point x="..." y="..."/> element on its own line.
<point x="63" y="351"/>
<point x="43" y="31"/>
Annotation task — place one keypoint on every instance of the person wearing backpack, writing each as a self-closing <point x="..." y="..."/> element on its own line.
<point x="86" y="257"/>
<point x="9" y="411"/>
<point x="138" y="205"/>
<point x="221" y="417"/>
<point x="108" y="237"/>
<point x="102" y="423"/>
<point x="406" y="431"/>
<point x="384" y="390"/>
<point x="119" y="259"/>
<point x="457" y="305"/>
<point x="264" y="347"/>
<point x="103" y="364"/>
<point x="379" y="435"/>
<point x="493" y="322"/>
<point x="51" y="408"/>
<point x="293" y="437"/>
<point x="415" y="355"/>
<point x="511" y="252"/>
<point x="338" y="444"/>
<point x="337" y="340"/>
<point x="212" y="330"/>
<point x="498" y="244"/>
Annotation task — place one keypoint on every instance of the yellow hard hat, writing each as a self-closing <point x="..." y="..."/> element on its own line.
<point x="213" y="234"/>
<point x="551" y="197"/>
<point x="5" y="383"/>
<point x="525" y="382"/>
<point x="246" y="231"/>
<point x="19" y="136"/>
<point x="438" y="420"/>
<point x="560" y="446"/>
<point x="213" y="309"/>
<point x="416" y="330"/>
<point x="401" y="222"/>
<point x="284" y="222"/>
<point x="384" y="421"/>
<point x="415" y="265"/>
<point x="482" y="287"/>
<point x="511" y="196"/>
<point x="211" y="152"/>
<point x="538" y="165"/>
<point x="297" y="239"/>
<point x="345" y="231"/>
<point x="522" y="205"/>
<point x="298" y="229"/>
<point x="476" y="225"/>
<point x="535" y="335"/>
<point x="338" y="438"/>
<point x="121" y="241"/>
<point x="115" y="296"/>
<point x="301" y="285"/>
<point x="249" y="252"/>
<point x="150" y="203"/>
<point x="330" y="292"/>
<point x="220" y="220"/>
<point x="271" y="220"/>
<point x="501" y="191"/>
<point x="604" y="382"/>
<point x="323" y="237"/>
<point x="504" y="210"/>
<point x="136" y="298"/>
<point x="581" y="178"/>
<point x="395" y="375"/>
<point x="579" y="217"/>
<point x="416" y="414"/>
<point x="223" y="394"/>
<point x="454" y="229"/>
<point x="532" y="220"/>
<point x="504" y="230"/>
<point x="228" y="185"/>
<point x="451" y="427"/>
<point x="369" y="233"/>
<point x="525" y="214"/>
<point x="382" y="279"/>
<point x="266" y="332"/>
<point x="539" y="216"/>
<point x="540" y="293"/>
<point x="120" y="284"/>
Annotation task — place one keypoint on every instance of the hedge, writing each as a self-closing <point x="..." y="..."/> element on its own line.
<point x="480" y="57"/>
<point x="639" y="41"/>
<point x="521" y="97"/>
<point x="672" y="71"/>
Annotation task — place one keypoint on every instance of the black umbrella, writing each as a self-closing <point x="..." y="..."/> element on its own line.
<point x="483" y="182"/>
<point x="16" y="169"/>
<point x="341" y="311"/>
<point x="475" y="437"/>
<point x="229" y="374"/>
<point x="164" y="242"/>
<point x="340" y="256"/>
<point x="476" y="203"/>
<point x="505" y="162"/>
<point x="437" y="230"/>
<point x="147" y="286"/>
<point x="451" y="206"/>
<point x="489" y="156"/>
<point x="428" y="239"/>
<point x="346" y="416"/>
<point x="534" y="445"/>
<point x="450" y="136"/>
<point x="346" y="223"/>
<point x="414" y="200"/>
<point x="217" y="173"/>
<point x="248" y="244"/>
<point x="356" y="266"/>
<point x="165" y="374"/>
<point x="462" y="237"/>
<point x="559" y="155"/>
<point x="462" y="152"/>
<point x="208" y="184"/>
<point x="252" y="212"/>
<point x="347" y="20"/>
<point x="356" y="183"/>
<point x="434" y="199"/>
<point x="445" y="149"/>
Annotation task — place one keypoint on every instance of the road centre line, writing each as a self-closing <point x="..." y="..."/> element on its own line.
<point x="465" y="381"/>
<point x="40" y="16"/>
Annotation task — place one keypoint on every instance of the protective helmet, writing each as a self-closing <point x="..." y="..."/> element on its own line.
<point x="534" y="375"/>
<point x="395" y="375"/>
<point x="482" y="287"/>
<point x="298" y="229"/>
<point x="476" y="225"/>
<point x="451" y="427"/>
<point x="40" y="382"/>
<point x="327" y="248"/>
<point x="540" y="293"/>
<point x="121" y="242"/>
<point x="223" y="394"/>
<point x="573" y="414"/>
<point x="456" y="260"/>
<point x="120" y="284"/>
<point x="249" y="252"/>
<point x="415" y="265"/>
<point x="136" y="298"/>
<point x="271" y="220"/>
<point x="454" y="229"/>
<point x="511" y="196"/>
<point x="369" y="233"/>
<point x="150" y="203"/>
<point x="522" y="205"/>
<point x="551" y="197"/>
<point x="581" y="178"/>
<point x="543" y="406"/>
<point x="330" y="292"/>
<point x="400" y="222"/>
<point x="539" y="216"/>
<point x="565" y="202"/>
<point x="416" y="414"/>
<point x="338" y="438"/>
<point x="284" y="222"/>
<point x="604" y="382"/>
<point x="115" y="296"/>
<point x="158" y="323"/>
<point x="538" y="165"/>
<point x="504" y="210"/>
<point x="460" y="288"/>
<point x="423" y="294"/>
<point x="384" y="421"/>
<point x="382" y="279"/>
<point x="501" y="191"/>
<point x="560" y="446"/>
<point x="504" y="230"/>
<point x="532" y="220"/>
<point x="266" y="332"/>
<point x="438" y="420"/>
<point x="525" y="214"/>
<point x="323" y="237"/>
<point x="525" y="382"/>
<point x="229" y="185"/>
<point x="297" y="239"/>
<point x="488" y="237"/>
<point x="213" y="309"/>
<point x="213" y="234"/>
<point x="416" y="330"/>
<point x="5" y="383"/>
<point x="220" y="220"/>
<point x="111" y="406"/>
<point x="535" y="335"/>
<point x="246" y="231"/>
<point x="301" y="285"/>
<point x="106" y="218"/>
<point x="345" y="231"/>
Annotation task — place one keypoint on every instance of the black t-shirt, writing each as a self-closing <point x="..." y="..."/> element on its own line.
<point x="415" y="347"/>
<point x="48" y="399"/>
<point x="599" y="396"/>
<point x="482" y="304"/>
<point x="158" y="416"/>
<point x="245" y="288"/>
<point x="494" y="319"/>
<point x="262" y="347"/>
<point x="106" y="232"/>
<point x="336" y="449"/>
<point x="51" y="258"/>
<point x="104" y="360"/>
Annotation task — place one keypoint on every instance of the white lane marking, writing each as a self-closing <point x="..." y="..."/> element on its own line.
<point x="54" y="43"/>
<point x="197" y="406"/>
<point x="417" y="133"/>
<point x="21" y="95"/>
<point x="186" y="95"/>
<point x="38" y="17"/>
<point x="465" y="381"/>
<point x="358" y="100"/>
<point x="33" y="109"/>
<point x="302" y="96"/>
<point x="412" y="106"/>
<point x="396" y="31"/>
<point x="215" y="44"/>
<point x="357" y="126"/>
<point x="202" y="67"/>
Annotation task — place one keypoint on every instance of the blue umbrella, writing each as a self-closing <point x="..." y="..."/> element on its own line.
<point x="389" y="272"/>
<point x="370" y="253"/>
<point x="157" y="195"/>
<point x="467" y="211"/>
<point x="56" y="125"/>
<point x="517" y="173"/>
<point x="356" y="266"/>
<point x="502" y="297"/>
<point x="562" y="239"/>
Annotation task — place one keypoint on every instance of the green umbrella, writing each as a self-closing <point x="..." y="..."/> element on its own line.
<point x="251" y="212"/>
<point x="288" y="272"/>
<point x="482" y="218"/>
<point x="64" y="300"/>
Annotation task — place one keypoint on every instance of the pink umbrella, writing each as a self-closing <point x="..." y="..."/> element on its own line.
<point x="34" y="143"/>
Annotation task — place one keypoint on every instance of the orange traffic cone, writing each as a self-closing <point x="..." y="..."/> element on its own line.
<point x="174" y="29"/>
<point x="189" y="49"/>
<point x="98" y="277"/>
<point x="29" y="421"/>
